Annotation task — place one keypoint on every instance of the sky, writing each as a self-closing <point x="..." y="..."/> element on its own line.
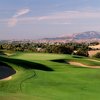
<point x="35" y="19"/>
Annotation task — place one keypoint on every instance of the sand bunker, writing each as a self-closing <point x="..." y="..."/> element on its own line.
<point x="8" y="78"/>
<point x="82" y="65"/>
<point x="6" y="72"/>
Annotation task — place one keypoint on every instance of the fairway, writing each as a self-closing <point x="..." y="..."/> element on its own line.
<point x="41" y="76"/>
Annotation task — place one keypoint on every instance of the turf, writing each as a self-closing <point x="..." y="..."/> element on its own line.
<point x="50" y="77"/>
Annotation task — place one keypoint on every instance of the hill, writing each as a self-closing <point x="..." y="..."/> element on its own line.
<point x="88" y="36"/>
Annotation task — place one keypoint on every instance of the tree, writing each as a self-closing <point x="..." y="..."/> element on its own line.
<point x="97" y="55"/>
<point x="82" y="52"/>
<point x="1" y="47"/>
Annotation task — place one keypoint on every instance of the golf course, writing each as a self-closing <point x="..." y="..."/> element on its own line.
<point x="45" y="76"/>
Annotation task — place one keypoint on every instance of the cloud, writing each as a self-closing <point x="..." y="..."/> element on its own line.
<point x="71" y="15"/>
<point x="21" y="12"/>
<point x="64" y="17"/>
<point x="61" y="23"/>
<point x="13" y="21"/>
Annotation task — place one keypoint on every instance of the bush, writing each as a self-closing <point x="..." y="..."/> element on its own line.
<point x="82" y="52"/>
<point x="97" y="55"/>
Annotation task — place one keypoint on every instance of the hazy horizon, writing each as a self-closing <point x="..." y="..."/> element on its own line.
<point x="36" y="19"/>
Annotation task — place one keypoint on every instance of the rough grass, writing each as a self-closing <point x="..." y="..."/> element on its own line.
<point x="63" y="82"/>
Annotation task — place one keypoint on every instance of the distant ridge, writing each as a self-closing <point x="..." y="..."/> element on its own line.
<point x="81" y="37"/>
<point x="86" y="35"/>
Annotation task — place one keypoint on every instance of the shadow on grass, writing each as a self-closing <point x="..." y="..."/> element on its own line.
<point x="26" y="64"/>
<point x="66" y="61"/>
<point x="6" y="71"/>
<point x="60" y="61"/>
<point x="75" y="56"/>
<point x="2" y="53"/>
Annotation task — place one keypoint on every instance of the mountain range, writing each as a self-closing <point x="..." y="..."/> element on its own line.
<point x="87" y="36"/>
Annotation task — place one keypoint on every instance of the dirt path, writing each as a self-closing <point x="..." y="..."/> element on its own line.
<point x="82" y="65"/>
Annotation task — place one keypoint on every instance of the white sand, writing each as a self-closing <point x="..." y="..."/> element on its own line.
<point x="7" y="78"/>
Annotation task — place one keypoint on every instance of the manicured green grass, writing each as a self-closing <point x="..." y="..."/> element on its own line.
<point x="50" y="77"/>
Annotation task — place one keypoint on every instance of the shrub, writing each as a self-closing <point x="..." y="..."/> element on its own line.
<point x="81" y="52"/>
<point x="97" y="55"/>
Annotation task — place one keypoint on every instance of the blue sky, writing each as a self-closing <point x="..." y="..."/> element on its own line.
<point x="33" y="19"/>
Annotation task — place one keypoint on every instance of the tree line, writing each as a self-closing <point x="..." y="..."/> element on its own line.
<point x="59" y="48"/>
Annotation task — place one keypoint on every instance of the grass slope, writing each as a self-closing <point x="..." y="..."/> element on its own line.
<point x="50" y="77"/>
